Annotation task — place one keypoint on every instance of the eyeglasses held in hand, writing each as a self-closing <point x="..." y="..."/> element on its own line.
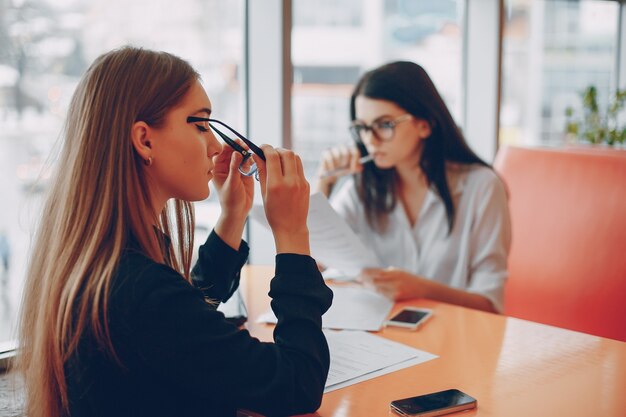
<point x="247" y="167"/>
<point x="382" y="129"/>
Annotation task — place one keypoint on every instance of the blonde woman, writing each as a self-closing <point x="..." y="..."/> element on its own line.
<point x="114" y="323"/>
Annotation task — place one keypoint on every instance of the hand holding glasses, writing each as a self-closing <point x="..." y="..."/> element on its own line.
<point x="247" y="167"/>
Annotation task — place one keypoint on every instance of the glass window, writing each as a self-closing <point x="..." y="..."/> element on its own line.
<point x="552" y="51"/>
<point x="45" y="46"/>
<point x="329" y="57"/>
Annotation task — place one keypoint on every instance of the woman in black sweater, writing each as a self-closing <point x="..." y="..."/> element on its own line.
<point x="114" y="321"/>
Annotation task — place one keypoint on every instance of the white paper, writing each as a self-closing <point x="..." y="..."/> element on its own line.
<point x="353" y="308"/>
<point x="356" y="356"/>
<point x="337" y="275"/>
<point x="406" y="364"/>
<point x="333" y="242"/>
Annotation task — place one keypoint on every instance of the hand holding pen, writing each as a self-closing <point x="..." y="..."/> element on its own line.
<point x="347" y="170"/>
<point x="338" y="162"/>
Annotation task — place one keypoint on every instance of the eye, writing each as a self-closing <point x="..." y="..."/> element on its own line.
<point x="384" y="124"/>
<point x="202" y="128"/>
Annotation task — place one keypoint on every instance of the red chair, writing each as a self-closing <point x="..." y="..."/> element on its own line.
<point x="568" y="255"/>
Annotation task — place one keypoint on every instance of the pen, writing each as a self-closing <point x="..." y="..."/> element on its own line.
<point x="344" y="170"/>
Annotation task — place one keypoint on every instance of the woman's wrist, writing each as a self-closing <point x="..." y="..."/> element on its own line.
<point x="230" y="229"/>
<point x="325" y="185"/>
<point x="295" y="242"/>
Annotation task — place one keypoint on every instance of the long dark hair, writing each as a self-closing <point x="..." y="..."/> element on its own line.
<point x="408" y="85"/>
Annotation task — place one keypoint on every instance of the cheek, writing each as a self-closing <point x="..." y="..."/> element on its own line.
<point x="410" y="145"/>
<point x="195" y="153"/>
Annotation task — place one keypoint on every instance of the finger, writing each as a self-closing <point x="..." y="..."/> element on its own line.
<point x="338" y="155"/>
<point x="233" y="168"/>
<point x="242" y="143"/>
<point x="299" y="167"/>
<point x="388" y="292"/>
<point x="224" y="156"/>
<point x="288" y="162"/>
<point x="272" y="167"/>
<point x="383" y="279"/>
<point x="346" y="155"/>
<point x="355" y="155"/>
<point x="235" y="161"/>
<point x="327" y="160"/>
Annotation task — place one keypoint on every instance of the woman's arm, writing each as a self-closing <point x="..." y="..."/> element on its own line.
<point x="178" y="337"/>
<point x="223" y="254"/>
<point x="236" y="193"/>
<point x="218" y="269"/>
<point x="489" y="244"/>
<point x="401" y="285"/>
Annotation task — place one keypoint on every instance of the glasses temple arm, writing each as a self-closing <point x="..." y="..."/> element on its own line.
<point x="258" y="151"/>
<point x="231" y="142"/>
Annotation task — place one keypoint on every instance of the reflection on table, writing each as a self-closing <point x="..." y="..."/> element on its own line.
<point x="512" y="367"/>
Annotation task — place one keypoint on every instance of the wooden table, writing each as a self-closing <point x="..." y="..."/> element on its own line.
<point x="512" y="367"/>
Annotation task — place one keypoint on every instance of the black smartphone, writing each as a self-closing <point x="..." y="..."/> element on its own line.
<point x="435" y="404"/>
<point x="410" y="317"/>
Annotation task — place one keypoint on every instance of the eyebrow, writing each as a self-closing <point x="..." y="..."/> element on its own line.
<point x="384" y="116"/>
<point x="206" y="110"/>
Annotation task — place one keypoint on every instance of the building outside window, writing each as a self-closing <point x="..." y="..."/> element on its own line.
<point x="329" y="55"/>
<point x="45" y="46"/>
<point x="552" y="51"/>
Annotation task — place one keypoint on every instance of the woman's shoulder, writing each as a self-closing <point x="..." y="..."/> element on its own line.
<point x="475" y="177"/>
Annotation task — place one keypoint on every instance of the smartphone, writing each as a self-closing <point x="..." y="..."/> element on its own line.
<point x="435" y="404"/>
<point x="410" y="317"/>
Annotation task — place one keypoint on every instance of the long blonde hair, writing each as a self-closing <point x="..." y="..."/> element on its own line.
<point x="99" y="201"/>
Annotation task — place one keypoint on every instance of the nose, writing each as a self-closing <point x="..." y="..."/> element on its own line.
<point x="214" y="146"/>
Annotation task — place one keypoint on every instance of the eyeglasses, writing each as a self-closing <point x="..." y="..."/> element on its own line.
<point x="382" y="129"/>
<point x="247" y="167"/>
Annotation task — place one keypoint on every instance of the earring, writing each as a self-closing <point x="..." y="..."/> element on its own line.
<point x="148" y="161"/>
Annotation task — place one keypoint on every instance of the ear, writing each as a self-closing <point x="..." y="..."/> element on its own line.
<point x="423" y="128"/>
<point x="140" y="136"/>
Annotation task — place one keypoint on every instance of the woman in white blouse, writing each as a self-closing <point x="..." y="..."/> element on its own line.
<point x="433" y="212"/>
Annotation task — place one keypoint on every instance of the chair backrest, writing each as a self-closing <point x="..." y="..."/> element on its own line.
<point x="568" y="255"/>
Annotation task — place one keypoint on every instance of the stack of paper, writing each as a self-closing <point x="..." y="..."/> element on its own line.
<point x="353" y="308"/>
<point x="358" y="356"/>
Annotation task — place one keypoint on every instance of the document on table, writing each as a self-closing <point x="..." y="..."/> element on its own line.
<point x="333" y="242"/>
<point x="357" y="356"/>
<point x="354" y="308"/>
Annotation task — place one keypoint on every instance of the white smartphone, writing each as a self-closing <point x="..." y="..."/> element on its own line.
<point x="410" y="317"/>
<point x="435" y="404"/>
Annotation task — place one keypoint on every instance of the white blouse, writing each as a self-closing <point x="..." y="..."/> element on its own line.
<point x="472" y="258"/>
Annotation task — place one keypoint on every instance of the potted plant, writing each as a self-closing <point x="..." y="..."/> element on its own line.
<point x="593" y="127"/>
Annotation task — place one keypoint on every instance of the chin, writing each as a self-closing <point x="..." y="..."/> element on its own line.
<point x="204" y="195"/>
<point x="383" y="165"/>
<point x="196" y="196"/>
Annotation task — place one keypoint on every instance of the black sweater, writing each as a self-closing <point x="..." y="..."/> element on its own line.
<point x="180" y="357"/>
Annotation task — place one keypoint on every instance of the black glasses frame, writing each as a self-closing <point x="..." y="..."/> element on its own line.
<point x="357" y="128"/>
<point x="247" y="154"/>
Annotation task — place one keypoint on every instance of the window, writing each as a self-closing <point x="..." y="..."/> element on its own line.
<point x="329" y="57"/>
<point x="552" y="51"/>
<point x="44" y="49"/>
